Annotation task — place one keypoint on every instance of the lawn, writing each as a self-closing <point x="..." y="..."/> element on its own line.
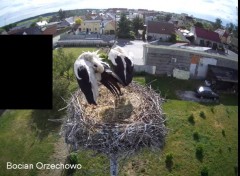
<point x="27" y="137"/>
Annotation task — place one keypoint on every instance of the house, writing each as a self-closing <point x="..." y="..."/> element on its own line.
<point x="203" y="37"/>
<point x="91" y="26"/>
<point x="26" y="31"/>
<point x="68" y="22"/>
<point x="42" y="23"/>
<point x="159" y="30"/>
<point x="109" y="27"/>
<point x="223" y="35"/>
<point x="49" y="30"/>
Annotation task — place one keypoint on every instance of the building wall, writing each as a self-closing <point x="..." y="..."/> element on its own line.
<point x="197" y="41"/>
<point x="109" y="27"/>
<point x="156" y="36"/>
<point x="93" y="26"/>
<point x="166" y="59"/>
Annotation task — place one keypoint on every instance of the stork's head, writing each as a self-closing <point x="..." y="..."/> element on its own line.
<point x="94" y="59"/>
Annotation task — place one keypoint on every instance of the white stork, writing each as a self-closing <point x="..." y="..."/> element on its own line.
<point x="89" y="70"/>
<point x="122" y="64"/>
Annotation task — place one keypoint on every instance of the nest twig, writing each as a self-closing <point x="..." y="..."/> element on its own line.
<point x="116" y="127"/>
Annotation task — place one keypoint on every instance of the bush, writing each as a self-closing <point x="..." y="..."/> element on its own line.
<point x="73" y="158"/>
<point x="196" y="136"/>
<point x="191" y="119"/>
<point x="202" y="114"/>
<point x="199" y="152"/>
<point x="169" y="161"/>
<point x="223" y="133"/>
<point x="204" y="171"/>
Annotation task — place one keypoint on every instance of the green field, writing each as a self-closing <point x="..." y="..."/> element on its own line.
<point x="28" y="137"/>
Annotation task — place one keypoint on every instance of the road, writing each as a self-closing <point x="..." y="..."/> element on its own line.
<point x="135" y="47"/>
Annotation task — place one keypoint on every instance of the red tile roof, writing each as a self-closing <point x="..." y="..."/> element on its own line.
<point x="51" y="30"/>
<point x="160" y="27"/>
<point x="206" y="34"/>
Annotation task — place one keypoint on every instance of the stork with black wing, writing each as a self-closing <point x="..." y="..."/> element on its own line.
<point x="89" y="69"/>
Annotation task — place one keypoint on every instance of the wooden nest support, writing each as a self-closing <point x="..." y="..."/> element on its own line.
<point x="116" y="126"/>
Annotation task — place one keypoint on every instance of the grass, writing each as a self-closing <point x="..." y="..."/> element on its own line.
<point x="20" y="144"/>
<point x="20" y="141"/>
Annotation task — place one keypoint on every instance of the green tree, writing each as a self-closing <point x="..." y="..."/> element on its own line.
<point x="137" y="23"/>
<point x="218" y="23"/>
<point x="230" y="27"/>
<point x="198" y="24"/>
<point x="61" y="14"/>
<point x="173" y="38"/>
<point x="78" y="21"/>
<point x="124" y="27"/>
<point x="168" y="17"/>
<point x="33" y="24"/>
<point x="40" y="18"/>
<point x="208" y="26"/>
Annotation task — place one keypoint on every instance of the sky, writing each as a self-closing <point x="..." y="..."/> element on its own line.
<point x="15" y="10"/>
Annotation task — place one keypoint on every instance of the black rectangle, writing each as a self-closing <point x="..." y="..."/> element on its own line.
<point x="26" y="72"/>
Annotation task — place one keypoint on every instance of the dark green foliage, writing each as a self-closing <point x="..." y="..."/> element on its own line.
<point x="198" y="24"/>
<point x="137" y="24"/>
<point x="191" y="119"/>
<point x="196" y="136"/>
<point x="168" y="17"/>
<point x="217" y="24"/>
<point x="212" y="110"/>
<point x="61" y="14"/>
<point x="173" y="38"/>
<point x="199" y="152"/>
<point x="229" y="149"/>
<point x="204" y="171"/>
<point x="124" y="27"/>
<point x="236" y="170"/>
<point x="169" y="161"/>
<point x="202" y="114"/>
<point x="223" y="133"/>
<point x="73" y="159"/>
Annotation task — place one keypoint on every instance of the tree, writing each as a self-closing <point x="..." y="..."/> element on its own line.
<point x="230" y="27"/>
<point x="208" y="26"/>
<point x="168" y="17"/>
<point x="137" y="23"/>
<point x="124" y="27"/>
<point x="40" y="18"/>
<point x="33" y="24"/>
<point x="78" y="21"/>
<point x="198" y="24"/>
<point x="173" y="38"/>
<point x="61" y="14"/>
<point x="218" y="23"/>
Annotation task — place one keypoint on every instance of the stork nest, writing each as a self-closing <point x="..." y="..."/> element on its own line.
<point x="116" y="125"/>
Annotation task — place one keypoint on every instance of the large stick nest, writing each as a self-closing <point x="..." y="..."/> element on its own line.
<point x="116" y="125"/>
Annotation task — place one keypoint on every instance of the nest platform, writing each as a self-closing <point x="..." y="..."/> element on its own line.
<point x="116" y="126"/>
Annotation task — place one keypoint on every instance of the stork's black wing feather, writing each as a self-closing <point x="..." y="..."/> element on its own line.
<point x="110" y="82"/>
<point x="85" y="84"/>
<point x="129" y="70"/>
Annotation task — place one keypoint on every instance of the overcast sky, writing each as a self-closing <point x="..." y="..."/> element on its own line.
<point x="14" y="10"/>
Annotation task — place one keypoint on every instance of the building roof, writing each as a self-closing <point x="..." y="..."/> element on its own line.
<point x="206" y="34"/>
<point x="29" y="31"/>
<point x="50" y="30"/>
<point x="160" y="27"/>
<point x="221" y="32"/>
